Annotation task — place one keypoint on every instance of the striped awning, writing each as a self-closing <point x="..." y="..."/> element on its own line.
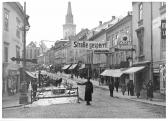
<point x="112" y="72"/>
<point x="31" y="74"/>
<point x="133" y="69"/>
<point x="65" y="67"/>
<point x="73" y="66"/>
<point x="82" y="66"/>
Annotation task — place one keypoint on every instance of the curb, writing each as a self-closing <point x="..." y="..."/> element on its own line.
<point x="15" y="106"/>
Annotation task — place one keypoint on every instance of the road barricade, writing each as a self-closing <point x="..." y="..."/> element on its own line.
<point x="54" y="93"/>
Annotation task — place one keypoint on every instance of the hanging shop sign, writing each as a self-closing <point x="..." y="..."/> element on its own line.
<point x="124" y="43"/>
<point x="163" y="29"/>
<point x="90" y="45"/>
<point x="162" y="79"/>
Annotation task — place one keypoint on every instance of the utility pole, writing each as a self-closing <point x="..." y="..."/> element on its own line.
<point x="23" y="99"/>
<point x="151" y="43"/>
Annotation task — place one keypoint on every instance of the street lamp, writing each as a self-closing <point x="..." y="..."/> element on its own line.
<point x="23" y="99"/>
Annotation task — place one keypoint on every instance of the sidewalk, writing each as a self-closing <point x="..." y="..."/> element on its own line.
<point x="11" y="101"/>
<point x="118" y="94"/>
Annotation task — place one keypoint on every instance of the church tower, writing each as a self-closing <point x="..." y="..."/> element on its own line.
<point x="69" y="29"/>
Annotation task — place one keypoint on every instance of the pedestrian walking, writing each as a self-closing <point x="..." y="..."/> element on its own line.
<point x="128" y="87"/>
<point x="150" y="90"/>
<point x="102" y="80"/>
<point x="131" y="88"/>
<point x="123" y="89"/>
<point x="111" y="87"/>
<point x="34" y="87"/>
<point x="116" y="84"/>
<point x="88" y="91"/>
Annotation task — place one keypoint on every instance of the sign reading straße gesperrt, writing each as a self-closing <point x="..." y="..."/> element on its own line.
<point x="90" y="45"/>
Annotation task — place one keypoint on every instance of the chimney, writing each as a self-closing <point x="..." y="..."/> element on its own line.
<point x="113" y="17"/>
<point x="100" y="23"/>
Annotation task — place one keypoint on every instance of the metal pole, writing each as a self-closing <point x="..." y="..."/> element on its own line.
<point x="23" y="99"/>
<point x="151" y="43"/>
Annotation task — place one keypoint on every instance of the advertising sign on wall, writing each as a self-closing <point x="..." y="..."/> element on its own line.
<point x="124" y="42"/>
<point x="90" y="45"/>
<point x="163" y="29"/>
<point x="162" y="79"/>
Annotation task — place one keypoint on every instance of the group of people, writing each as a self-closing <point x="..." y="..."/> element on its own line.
<point x="129" y="86"/>
<point x="46" y="81"/>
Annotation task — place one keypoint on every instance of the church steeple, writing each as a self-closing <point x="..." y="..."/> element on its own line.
<point x="69" y="29"/>
<point x="69" y="16"/>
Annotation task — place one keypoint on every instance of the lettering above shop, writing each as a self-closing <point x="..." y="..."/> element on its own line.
<point x="90" y="45"/>
<point x="163" y="29"/>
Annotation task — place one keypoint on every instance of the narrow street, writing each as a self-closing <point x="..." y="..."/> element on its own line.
<point x="103" y="106"/>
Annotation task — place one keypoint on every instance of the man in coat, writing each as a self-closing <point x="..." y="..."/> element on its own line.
<point x="111" y="88"/>
<point x="150" y="90"/>
<point x="116" y="84"/>
<point x="88" y="91"/>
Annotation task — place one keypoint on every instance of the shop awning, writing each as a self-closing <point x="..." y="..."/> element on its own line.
<point x="73" y="66"/>
<point x="134" y="69"/>
<point x="82" y="66"/>
<point x="112" y="72"/>
<point x="65" y="67"/>
<point x="31" y="74"/>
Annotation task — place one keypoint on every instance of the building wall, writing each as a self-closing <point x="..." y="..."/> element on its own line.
<point x="114" y="35"/>
<point x="157" y="17"/>
<point x="100" y="58"/>
<point x="11" y="41"/>
<point x="147" y="29"/>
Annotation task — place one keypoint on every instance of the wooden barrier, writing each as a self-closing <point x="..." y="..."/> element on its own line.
<point x="58" y="96"/>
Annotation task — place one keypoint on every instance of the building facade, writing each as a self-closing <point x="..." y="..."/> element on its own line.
<point x="116" y="33"/>
<point x="69" y="29"/>
<point x="150" y="46"/>
<point x="12" y="37"/>
<point x="159" y="45"/>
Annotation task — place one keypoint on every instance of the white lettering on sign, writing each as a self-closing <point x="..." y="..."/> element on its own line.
<point x="90" y="45"/>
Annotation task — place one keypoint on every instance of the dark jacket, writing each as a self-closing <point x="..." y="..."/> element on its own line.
<point x="111" y="86"/>
<point x="88" y="90"/>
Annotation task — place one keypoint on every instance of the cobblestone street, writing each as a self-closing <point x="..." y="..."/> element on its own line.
<point x="103" y="106"/>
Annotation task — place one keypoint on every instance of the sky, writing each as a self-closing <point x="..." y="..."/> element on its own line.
<point x="48" y="16"/>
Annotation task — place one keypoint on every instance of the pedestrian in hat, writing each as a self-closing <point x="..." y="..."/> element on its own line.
<point x="88" y="91"/>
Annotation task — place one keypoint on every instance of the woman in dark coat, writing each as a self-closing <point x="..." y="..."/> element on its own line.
<point x="150" y="90"/>
<point x="88" y="91"/>
<point x="111" y="88"/>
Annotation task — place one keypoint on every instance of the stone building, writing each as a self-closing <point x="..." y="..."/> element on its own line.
<point x="12" y="44"/>
<point x="150" y="46"/>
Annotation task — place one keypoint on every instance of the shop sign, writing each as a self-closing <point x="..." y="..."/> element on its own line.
<point x="163" y="29"/>
<point x="90" y="45"/>
<point x="162" y="79"/>
<point x="124" y="43"/>
<point x="102" y="52"/>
